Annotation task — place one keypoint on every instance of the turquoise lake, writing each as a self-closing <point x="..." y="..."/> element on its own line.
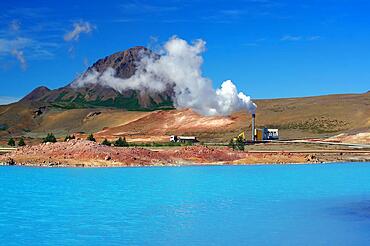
<point x="209" y="205"/>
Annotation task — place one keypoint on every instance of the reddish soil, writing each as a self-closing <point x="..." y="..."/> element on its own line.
<point x="90" y="154"/>
<point x="82" y="152"/>
<point x="159" y="125"/>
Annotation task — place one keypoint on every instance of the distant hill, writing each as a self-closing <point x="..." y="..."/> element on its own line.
<point x="95" y="95"/>
<point x="322" y="116"/>
<point x="296" y="118"/>
<point x="144" y="116"/>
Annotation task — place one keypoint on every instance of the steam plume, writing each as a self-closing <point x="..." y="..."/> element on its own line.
<point x="179" y="66"/>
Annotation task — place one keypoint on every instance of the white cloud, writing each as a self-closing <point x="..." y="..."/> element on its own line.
<point x="19" y="47"/>
<point x="15" y="26"/>
<point x="147" y="8"/>
<point x="78" y="28"/>
<point x="18" y="54"/>
<point x="300" y="38"/>
<point x="14" y="47"/>
<point x="232" y="12"/>
<point x="7" y="45"/>
<point x="291" y="38"/>
<point x="34" y="41"/>
<point x="178" y="67"/>
<point x="313" y="38"/>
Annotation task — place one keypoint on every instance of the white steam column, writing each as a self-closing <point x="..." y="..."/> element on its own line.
<point x="253" y="127"/>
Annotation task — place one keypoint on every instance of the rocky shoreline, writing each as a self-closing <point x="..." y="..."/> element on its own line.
<point x="82" y="153"/>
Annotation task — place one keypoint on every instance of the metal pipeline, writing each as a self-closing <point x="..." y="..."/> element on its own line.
<point x="253" y="126"/>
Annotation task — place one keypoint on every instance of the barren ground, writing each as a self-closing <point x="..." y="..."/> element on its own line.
<point x="90" y="154"/>
<point x="296" y="118"/>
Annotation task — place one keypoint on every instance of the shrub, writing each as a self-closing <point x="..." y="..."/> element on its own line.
<point x="232" y="144"/>
<point x="50" y="138"/>
<point x="121" y="142"/>
<point x="21" y="142"/>
<point x="11" y="142"/>
<point x="91" y="138"/>
<point x="69" y="137"/>
<point x="240" y="143"/>
<point x="106" y="142"/>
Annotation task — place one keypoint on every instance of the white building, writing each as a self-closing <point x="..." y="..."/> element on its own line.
<point x="183" y="139"/>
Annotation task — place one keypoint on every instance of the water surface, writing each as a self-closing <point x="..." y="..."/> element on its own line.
<point x="214" y="205"/>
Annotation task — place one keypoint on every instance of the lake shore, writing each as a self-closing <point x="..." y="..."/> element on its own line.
<point x="81" y="153"/>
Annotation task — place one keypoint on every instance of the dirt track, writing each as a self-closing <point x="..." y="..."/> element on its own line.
<point x="89" y="154"/>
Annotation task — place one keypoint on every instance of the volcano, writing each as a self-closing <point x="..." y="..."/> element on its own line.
<point x="95" y="95"/>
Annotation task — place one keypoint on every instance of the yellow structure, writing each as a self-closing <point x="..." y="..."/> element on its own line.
<point x="241" y="135"/>
<point x="258" y="134"/>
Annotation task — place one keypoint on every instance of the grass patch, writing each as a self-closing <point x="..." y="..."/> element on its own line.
<point x="130" y="103"/>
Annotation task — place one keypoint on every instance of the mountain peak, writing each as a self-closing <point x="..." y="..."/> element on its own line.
<point x="96" y="95"/>
<point x="36" y="94"/>
<point x="123" y="62"/>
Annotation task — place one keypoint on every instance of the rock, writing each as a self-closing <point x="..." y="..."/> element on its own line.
<point x="10" y="161"/>
<point x="107" y="158"/>
<point x="311" y="158"/>
<point x="39" y="111"/>
<point x="92" y="114"/>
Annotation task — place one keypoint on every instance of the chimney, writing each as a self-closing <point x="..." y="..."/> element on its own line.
<point x="253" y="127"/>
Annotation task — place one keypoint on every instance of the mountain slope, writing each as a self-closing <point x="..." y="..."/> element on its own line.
<point x="309" y="117"/>
<point x="110" y="113"/>
<point x="95" y="95"/>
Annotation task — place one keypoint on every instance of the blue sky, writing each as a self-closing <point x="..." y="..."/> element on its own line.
<point x="269" y="48"/>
